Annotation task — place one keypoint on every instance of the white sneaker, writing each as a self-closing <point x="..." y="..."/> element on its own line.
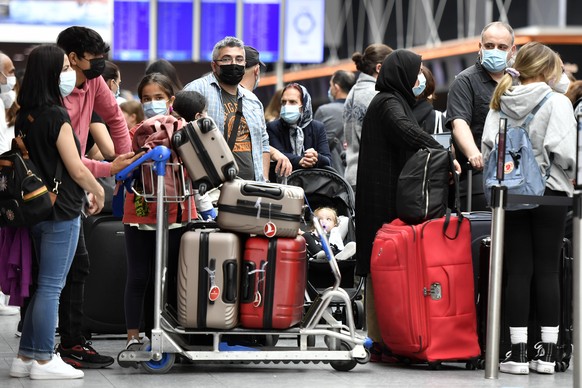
<point x="20" y="368"/>
<point x="55" y="369"/>
<point x="8" y="310"/>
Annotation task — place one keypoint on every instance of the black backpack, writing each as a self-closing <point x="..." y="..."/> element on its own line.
<point x="423" y="186"/>
<point x="25" y="200"/>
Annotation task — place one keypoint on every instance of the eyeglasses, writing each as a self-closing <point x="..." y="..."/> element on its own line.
<point x="230" y="60"/>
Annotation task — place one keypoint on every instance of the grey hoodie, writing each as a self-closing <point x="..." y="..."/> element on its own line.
<point x="552" y="131"/>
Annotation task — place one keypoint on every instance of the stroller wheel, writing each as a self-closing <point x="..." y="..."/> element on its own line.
<point x="358" y="311"/>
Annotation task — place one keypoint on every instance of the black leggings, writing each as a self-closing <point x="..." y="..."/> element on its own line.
<point x="139" y="293"/>
<point x="532" y="245"/>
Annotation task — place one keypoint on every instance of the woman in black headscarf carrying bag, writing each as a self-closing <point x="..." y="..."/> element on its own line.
<point x="390" y="135"/>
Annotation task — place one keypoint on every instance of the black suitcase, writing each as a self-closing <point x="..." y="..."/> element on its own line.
<point x="565" y="338"/>
<point x="480" y="229"/>
<point x="105" y="286"/>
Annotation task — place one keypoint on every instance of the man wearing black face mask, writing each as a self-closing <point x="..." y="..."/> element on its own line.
<point x="86" y="50"/>
<point x="222" y="89"/>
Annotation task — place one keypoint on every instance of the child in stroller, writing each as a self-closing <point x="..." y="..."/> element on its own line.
<point x="336" y="228"/>
<point x="325" y="188"/>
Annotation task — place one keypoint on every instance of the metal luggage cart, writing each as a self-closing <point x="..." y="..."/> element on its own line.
<point x="341" y="347"/>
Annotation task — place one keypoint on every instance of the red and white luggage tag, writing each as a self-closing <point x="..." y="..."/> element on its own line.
<point x="214" y="290"/>
<point x="270" y="229"/>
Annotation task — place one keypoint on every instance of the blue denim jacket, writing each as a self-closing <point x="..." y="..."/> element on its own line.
<point x="252" y="110"/>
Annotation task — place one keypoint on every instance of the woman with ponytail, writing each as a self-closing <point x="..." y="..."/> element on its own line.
<point x="533" y="237"/>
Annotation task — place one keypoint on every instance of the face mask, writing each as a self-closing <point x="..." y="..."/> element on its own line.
<point x="118" y="92"/>
<point x="96" y="69"/>
<point x="329" y="95"/>
<point x="290" y="113"/>
<point x="154" y="108"/>
<point x="68" y="79"/>
<point x="8" y="98"/>
<point x="231" y="74"/>
<point x="417" y="90"/>
<point x="9" y="85"/>
<point x="562" y="85"/>
<point x="494" y="60"/>
<point x="257" y="83"/>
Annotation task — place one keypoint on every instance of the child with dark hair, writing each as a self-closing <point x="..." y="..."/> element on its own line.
<point x="190" y="105"/>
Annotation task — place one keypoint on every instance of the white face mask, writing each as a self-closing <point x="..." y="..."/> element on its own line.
<point x="8" y="98"/>
<point x="9" y="85"/>
<point x="68" y="79"/>
<point x="562" y="85"/>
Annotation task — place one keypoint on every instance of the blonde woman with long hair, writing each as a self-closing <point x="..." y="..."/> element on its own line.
<point x="533" y="237"/>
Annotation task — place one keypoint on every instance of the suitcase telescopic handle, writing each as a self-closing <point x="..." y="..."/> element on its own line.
<point x="262" y="190"/>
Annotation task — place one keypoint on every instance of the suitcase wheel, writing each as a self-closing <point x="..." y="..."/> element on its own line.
<point x="163" y="365"/>
<point x="231" y="173"/>
<point x="205" y="125"/>
<point x="562" y="366"/>
<point x="437" y="365"/>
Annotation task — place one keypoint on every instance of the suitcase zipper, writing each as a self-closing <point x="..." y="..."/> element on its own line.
<point x="203" y="279"/>
<point x="264" y="213"/>
<point x="270" y="284"/>
<point x="424" y="185"/>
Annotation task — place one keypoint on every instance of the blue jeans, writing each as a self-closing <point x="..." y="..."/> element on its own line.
<point x="55" y="243"/>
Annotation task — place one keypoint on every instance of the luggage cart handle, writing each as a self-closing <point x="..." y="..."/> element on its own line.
<point x="159" y="155"/>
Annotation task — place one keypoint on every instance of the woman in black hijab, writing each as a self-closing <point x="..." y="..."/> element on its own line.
<point x="390" y="135"/>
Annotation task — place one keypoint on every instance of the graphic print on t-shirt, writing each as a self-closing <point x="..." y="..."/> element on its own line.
<point x="242" y="147"/>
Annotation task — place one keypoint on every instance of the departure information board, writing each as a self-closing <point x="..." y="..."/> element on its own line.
<point x="175" y="29"/>
<point x="217" y="20"/>
<point x="131" y="30"/>
<point x="261" y="27"/>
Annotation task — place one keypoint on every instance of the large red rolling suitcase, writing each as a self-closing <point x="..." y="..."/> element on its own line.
<point x="423" y="290"/>
<point x="208" y="279"/>
<point x="273" y="282"/>
<point x="205" y="153"/>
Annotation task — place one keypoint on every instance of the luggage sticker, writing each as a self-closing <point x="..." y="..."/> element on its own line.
<point x="214" y="292"/>
<point x="270" y="229"/>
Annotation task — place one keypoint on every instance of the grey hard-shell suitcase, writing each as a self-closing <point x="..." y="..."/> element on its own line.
<point x="205" y="154"/>
<point x="266" y="209"/>
<point x="208" y="279"/>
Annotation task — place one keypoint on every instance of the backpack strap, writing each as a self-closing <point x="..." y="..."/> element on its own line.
<point x="531" y="114"/>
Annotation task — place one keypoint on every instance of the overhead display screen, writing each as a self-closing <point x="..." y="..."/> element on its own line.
<point x="261" y="27"/>
<point x="131" y="30"/>
<point x="217" y="20"/>
<point x="175" y="22"/>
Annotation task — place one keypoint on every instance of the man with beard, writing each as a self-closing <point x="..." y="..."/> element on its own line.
<point x="238" y="113"/>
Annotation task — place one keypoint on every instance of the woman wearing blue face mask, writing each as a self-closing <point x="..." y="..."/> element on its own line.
<point x="156" y="94"/>
<point x="429" y="119"/>
<point x="49" y="138"/>
<point x="295" y="133"/>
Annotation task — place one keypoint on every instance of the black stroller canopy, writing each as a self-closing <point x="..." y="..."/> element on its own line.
<point x="325" y="187"/>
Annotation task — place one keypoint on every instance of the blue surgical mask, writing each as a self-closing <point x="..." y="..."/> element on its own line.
<point x="494" y="60"/>
<point x="417" y="90"/>
<point x="154" y="108"/>
<point x="290" y="113"/>
<point x="67" y="81"/>
<point x="329" y="95"/>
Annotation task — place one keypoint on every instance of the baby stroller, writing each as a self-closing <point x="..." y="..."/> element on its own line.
<point x="326" y="188"/>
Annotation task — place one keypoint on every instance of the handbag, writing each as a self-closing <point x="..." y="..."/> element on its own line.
<point x="25" y="199"/>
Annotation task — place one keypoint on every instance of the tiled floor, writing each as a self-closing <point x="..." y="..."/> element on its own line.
<point x="266" y="375"/>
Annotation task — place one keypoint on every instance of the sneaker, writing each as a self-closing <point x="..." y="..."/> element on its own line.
<point x="55" y="369"/>
<point x="84" y="356"/>
<point x="20" y="368"/>
<point x="133" y="341"/>
<point x="8" y="310"/>
<point x="545" y="359"/>
<point x="515" y="360"/>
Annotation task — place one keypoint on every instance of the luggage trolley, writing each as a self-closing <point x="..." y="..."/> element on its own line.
<point x="341" y="347"/>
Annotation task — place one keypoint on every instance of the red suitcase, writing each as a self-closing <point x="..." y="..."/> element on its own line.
<point x="423" y="288"/>
<point x="274" y="274"/>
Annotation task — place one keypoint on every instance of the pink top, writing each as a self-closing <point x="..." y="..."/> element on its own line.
<point x="94" y="95"/>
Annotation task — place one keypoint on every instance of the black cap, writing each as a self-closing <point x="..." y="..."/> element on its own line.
<point x="252" y="57"/>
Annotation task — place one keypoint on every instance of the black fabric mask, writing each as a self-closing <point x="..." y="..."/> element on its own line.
<point x="96" y="69"/>
<point x="231" y="74"/>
